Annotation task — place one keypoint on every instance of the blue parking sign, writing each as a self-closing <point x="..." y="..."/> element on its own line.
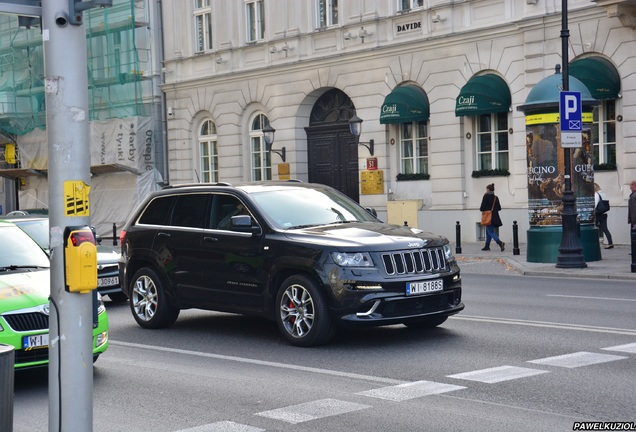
<point x="570" y="119"/>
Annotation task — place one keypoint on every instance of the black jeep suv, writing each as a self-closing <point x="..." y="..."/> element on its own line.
<point x="304" y="255"/>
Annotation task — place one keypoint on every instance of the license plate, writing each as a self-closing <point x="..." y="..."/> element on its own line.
<point x="108" y="281"/>
<point x="424" y="287"/>
<point x="35" y="341"/>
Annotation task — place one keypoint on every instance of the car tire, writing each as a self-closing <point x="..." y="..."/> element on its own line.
<point x="302" y="313"/>
<point x="148" y="301"/>
<point x="118" y="297"/>
<point x="427" y="323"/>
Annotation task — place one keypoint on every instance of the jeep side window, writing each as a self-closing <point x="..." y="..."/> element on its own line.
<point x="225" y="207"/>
<point x="189" y="211"/>
<point x="157" y="211"/>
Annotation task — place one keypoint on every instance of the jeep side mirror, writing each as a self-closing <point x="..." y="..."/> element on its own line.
<point x="243" y="223"/>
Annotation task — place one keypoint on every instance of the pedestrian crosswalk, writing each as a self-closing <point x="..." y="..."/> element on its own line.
<point x="322" y="408"/>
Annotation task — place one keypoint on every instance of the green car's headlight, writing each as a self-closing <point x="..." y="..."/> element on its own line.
<point x="101" y="307"/>
<point x="353" y="259"/>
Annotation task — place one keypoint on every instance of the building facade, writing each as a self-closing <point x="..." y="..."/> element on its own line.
<point x="437" y="84"/>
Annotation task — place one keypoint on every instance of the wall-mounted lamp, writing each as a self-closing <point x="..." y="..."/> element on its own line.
<point x="363" y="34"/>
<point x="348" y="36"/>
<point x="268" y="136"/>
<point x="285" y="47"/>
<point x="355" y="126"/>
<point x="437" y="18"/>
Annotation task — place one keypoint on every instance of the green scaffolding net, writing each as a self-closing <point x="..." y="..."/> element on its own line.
<point x="118" y="67"/>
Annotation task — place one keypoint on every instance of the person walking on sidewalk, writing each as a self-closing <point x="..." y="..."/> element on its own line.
<point x="491" y="202"/>
<point x="631" y="206"/>
<point x="601" y="218"/>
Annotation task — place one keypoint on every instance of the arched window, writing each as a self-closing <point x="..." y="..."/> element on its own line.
<point x="208" y="152"/>
<point x="260" y="158"/>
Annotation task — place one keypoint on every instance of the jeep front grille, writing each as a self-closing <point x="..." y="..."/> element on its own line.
<point x="30" y="321"/>
<point x="414" y="261"/>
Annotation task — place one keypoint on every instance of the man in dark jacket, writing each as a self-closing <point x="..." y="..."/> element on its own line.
<point x="631" y="206"/>
<point x="491" y="202"/>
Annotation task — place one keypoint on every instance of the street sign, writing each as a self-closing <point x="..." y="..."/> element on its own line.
<point x="570" y="119"/>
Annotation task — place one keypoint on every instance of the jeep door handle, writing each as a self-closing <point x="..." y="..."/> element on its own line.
<point x="163" y="234"/>
<point x="210" y="239"/>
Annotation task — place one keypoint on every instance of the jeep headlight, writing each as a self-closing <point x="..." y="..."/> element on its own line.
<point x="448" y="253"/>
<point x="352" y="259"/>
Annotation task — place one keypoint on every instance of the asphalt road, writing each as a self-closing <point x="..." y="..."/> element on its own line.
<point x="527" y="354"/>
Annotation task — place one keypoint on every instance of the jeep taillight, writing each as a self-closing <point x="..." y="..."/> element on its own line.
<point x="122" y="235"/>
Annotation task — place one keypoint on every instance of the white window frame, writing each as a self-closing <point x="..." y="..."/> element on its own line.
<point x="494" y="134"/>
<point x="203" y="26"/>
<point x="410" y="5"/>
<point x="604" y="122"/>
<point x="254" y="20"/>
<point x="414" y="159"/>
<point x="260" y="158"/>
<point x="208" y="152"/>
<point x="326" y="13"/>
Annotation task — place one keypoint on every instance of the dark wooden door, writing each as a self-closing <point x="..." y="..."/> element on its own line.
<point x="333" y="158"/>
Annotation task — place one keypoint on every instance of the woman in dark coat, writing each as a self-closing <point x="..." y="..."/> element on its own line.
<point x="487" y="204"/>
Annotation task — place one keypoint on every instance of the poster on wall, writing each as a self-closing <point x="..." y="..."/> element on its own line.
<point x="546" y="174"/>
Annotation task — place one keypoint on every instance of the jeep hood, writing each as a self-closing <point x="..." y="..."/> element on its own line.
<point x="373" y="236"/>
<point x="21" y="289"/>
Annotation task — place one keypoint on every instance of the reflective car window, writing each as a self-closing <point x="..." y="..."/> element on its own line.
<point x="189" y="211"/>
<point x="18" y="249"/>
<point x="157" y="211"/>
<point x="291" y="208"/>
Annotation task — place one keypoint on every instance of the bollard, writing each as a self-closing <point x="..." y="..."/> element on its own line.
<point x="7" y="359"/>
<point x="458" y="238"/>
<point x="114" y="234"/>
<point x="633" y="232"/>
<point x="515" y="238"/>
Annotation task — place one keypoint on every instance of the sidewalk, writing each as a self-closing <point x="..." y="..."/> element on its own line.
<point x="615" y="263"/>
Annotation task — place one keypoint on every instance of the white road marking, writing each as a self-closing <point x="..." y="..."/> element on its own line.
<point x="312" y="410"/>
<point x="411" y="390"/>
<point x="628" y="348"/>
<point x="260" y="362"/>
<point x="593" y="298"/>
<point x="224" y="426"/>
<point x="544" y="324"/>
<point x="498" y="374"/>
<point x="577" y="359"/>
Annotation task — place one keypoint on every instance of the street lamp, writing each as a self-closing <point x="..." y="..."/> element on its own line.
<point x="268" y="136"/>
<point x="570" y="250"/>
<point x="355" y="126"/>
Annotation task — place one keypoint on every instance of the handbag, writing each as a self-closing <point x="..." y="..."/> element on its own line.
<point x="486" y="215"/>
<point x="602" y="207"/>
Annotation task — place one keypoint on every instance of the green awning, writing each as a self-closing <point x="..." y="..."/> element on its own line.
<point x="405" y="104"/>
<point x="483" y="94"/>
<point x="599" y="76"/>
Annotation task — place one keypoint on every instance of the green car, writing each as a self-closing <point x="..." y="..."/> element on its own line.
<point x="24" y="300"/>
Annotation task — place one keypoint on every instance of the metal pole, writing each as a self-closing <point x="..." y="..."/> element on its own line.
<point x="7" y="361"/>
<point x="458" y="238"/>
<point x="570" y="250"/>
<point x="515" y="238"/>
<point x="66" y="92"/>
<point x="114" y="234"/>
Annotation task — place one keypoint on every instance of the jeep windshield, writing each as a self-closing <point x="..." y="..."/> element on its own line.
<point x="293" y="208"/>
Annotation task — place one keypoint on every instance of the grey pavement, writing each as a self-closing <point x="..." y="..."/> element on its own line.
<point x="615" y="263"/>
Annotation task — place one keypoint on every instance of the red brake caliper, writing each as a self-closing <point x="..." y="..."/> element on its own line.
<point x="291" y="306"/>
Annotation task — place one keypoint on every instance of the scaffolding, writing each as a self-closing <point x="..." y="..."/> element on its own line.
<point x="118" y="58"/>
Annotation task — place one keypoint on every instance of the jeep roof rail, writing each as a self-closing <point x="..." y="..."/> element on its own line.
<point x="180" y="185"/>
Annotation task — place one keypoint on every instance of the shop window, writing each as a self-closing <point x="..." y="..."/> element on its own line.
<point x="255" y="14"/>
<point x="413" y="148"/>
<point x="327" y="13"/>
<point x="260" y="158"/>
<point x="492" y="142"/>
<point x="203" y="25"/>
<point x="604" y="135"/>
<point x="208" y="152"/>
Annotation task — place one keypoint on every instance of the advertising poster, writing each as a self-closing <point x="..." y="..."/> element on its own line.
<point x="546" y="173"/>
